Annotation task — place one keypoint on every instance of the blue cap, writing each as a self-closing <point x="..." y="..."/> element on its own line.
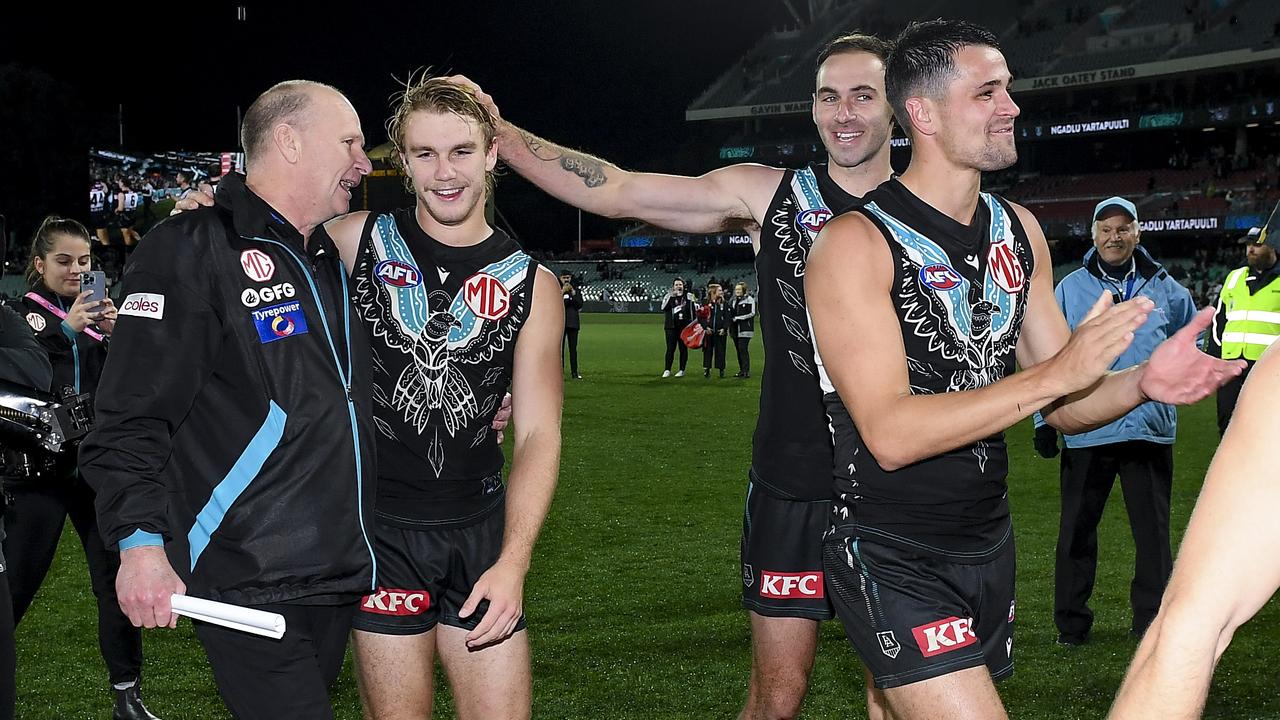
<point x="1117" y="203"/>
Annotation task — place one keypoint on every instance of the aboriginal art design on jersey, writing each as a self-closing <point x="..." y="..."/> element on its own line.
<point x="443" y="335"/>
<point x="976" y="328"/>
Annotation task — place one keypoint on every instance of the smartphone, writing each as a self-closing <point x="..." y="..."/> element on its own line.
<point x="95" y="282"/>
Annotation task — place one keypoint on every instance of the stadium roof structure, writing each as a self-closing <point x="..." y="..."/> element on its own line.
<point x="1049" y="46"/>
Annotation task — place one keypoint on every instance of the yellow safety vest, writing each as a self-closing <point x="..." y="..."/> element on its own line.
<point x="1253" y="321"/>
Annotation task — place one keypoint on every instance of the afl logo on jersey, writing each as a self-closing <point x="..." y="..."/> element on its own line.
<point x="1004" y="268"/>
<point x="940" y="277"/>
<point x="813" y="220"/>
<point x="397" y="274"/>
<point x="486" y="296"/>
<point x="257" y="265"/>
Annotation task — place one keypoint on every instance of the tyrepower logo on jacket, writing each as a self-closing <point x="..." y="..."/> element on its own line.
<point x="280" y="322"/>
<point x="400" y="603"/>
<point x="791" y="586"/>
<point x="944" y="636"/>
<point x="147" y="305"/>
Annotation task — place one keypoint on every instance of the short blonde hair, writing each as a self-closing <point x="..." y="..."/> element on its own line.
<point x="438" y="95"/>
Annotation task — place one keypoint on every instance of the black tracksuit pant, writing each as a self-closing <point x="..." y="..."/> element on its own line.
<point x="1146" y="477"/>
<point x="571" y="340"/>
<point x="674" y="341"/>
<point x="264" y="679"/>
<point x="743" y="346"/>
<point x="713" y="351"/>
<point x="33" y="526"/>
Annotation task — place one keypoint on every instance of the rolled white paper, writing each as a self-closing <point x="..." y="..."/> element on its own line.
<point x="235" y="617"/>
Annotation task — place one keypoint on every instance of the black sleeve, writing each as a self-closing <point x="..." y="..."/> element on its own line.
<point x="165" y="345"/>
<point x="22" y="360"/>
<point x="575" y="299"/>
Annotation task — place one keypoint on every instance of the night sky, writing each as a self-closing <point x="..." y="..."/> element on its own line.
<point x="611" y="77"/>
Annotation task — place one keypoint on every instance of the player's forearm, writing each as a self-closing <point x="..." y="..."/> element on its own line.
<point x="1170" y="674"/>
<point x="535" y="468"/>
<point x="1111" y="397"/>
<point x="912" y="428"/>
<point x="573" y="177"/>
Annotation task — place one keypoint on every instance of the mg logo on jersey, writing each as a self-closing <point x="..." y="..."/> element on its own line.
<point x="397" y="274"/>
<point x="1003" y="265"/>
<point x="944" y="636"/>
<point x="940" y="277"/>
<point x="486" y="296"/>
<point x="813" y="220"/>
<point x="791" y="585"/>
<point x="257" y="265"/>
<point x="400" y="603"/>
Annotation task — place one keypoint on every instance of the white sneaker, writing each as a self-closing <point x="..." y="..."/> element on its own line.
<point x="666" y="373"/>
<point x="680" y="374"/>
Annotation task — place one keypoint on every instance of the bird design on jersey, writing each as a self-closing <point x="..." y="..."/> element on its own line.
<point x="975" y="327"/>
<point x="442" y="334"/>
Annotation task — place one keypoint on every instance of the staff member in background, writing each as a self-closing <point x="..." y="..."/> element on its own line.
<point x="1138" y="447"/>
<point x="1248" y="317"/>
<point x="74" y="335"/>
<point x="24" y="362"/>
<point x="572" y="304"/>
<point x="715" y="318"/>
<point x="678" y="312"/>
<point x="742" y="327"/>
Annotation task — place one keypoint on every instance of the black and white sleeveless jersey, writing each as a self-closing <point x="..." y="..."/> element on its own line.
<point x="791" y="449"/>
<point x="131" y="201"/>
<point x="98" y="199"/>
<point x="443" y="323"/>
<point x="960" y="293"/>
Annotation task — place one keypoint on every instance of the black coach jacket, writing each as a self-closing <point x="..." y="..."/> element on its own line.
<point x="234" y="414"/>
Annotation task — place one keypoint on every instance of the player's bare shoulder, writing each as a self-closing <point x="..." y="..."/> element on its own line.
<point x="753" y="183"/>
<point x="851" y="244"/>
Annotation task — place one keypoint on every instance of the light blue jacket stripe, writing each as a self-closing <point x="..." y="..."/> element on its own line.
<point x="247" y="467"/>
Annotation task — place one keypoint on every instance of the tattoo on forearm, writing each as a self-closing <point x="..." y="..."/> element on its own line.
<point x="539" y="148"/>
<point x="591" y="171"/>
<point x="584" y="166"/>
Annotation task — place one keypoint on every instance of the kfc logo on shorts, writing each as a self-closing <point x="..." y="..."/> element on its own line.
<point x="257" y="265"/>
<point x="791" y="585"/>
<point x="1004" y="268"/>
<point x="147" y="305"/>
<point x="944" y="636"/>
<point x="400" y="603"/>
<point x="813" y="220"/>
<point x="486" y="296"/>
<point x="940" y="277"/>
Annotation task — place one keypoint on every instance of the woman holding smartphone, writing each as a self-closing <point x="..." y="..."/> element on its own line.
<point x="73" y="328"/>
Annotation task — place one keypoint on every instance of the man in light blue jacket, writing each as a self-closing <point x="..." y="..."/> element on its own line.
<point x="1138" y="447"/>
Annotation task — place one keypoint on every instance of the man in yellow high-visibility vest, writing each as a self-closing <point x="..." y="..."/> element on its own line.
<point x="1248" y="318"/>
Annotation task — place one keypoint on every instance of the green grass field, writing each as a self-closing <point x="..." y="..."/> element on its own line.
<point x="633" y="599"/>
